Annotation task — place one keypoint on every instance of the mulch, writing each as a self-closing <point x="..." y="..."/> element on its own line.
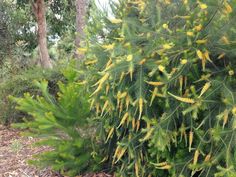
<point x="16" y="150"/>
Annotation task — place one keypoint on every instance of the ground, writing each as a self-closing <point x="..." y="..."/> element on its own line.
<point x="16" y="150"/>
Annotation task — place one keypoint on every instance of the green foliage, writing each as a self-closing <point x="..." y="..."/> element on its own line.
<point x="61" y="122"/>
<point x="163" y="83"/>
<point x="16" y="79"/>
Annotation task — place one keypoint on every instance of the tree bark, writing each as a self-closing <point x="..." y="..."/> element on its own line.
<point x="80" y="23"/>
<point x="39" y="12"/>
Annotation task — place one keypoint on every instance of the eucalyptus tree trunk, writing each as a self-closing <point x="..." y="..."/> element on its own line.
<point x="81" y="6"/>
<point x="39" y="12"/>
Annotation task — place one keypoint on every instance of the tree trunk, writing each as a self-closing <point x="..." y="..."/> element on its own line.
<point x="80" y="23"/>
<point x="39" y="11"/>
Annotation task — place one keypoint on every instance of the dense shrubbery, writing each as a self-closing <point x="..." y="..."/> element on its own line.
<point x="15" y="81"/>
<point x="161" y="81"/>
<point x="165" y="88"/>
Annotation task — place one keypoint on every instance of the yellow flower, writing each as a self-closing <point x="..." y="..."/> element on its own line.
<point x="201" y="41"/>
<point x="185" y="1"/>
<point x="190" y="33"/>
<point x="224" y="40"/>
<point x="129" y="57"/>
<point x="167" y="46"/>
<point x="109" y="46"/>
<point x="165" y="26"/>
<point x="183" y="61"/>
<point x="115" y="21"/>
<point x="200" y="54"/>
<point x="228" y="8"/>
<point x="234" y="111"/>
<point x="198" y="27"/>
<point x="167" y="1"/>
<point x="231" y="72"/>
<point x="161" y="68"/>
<point x="202" y="6"/>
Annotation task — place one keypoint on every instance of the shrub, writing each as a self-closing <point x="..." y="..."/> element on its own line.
<point x="163" y="81"/>
<point x="61" y="122"/>
<point x="16" y="81"/>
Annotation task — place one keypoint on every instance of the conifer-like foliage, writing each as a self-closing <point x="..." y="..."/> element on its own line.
<point x="163" y="86"/>
<point x="61" y="123"/>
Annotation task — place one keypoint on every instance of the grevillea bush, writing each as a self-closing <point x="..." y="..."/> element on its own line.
<point x="161" y="80"/>
<point x="162" y="77"/>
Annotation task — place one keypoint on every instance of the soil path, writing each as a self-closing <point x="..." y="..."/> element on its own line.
<point x="15" y="150"/>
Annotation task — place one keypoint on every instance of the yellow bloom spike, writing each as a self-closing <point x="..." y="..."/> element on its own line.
<point x="142" y="61"/>
<point x="206" y="55"/>
<point x="198" y="27"/>
<point x="205" y="88"/>
<point x="82" y="50"/>
<point x="133" y="123"/>
<point x="165" y="26"/>
<point x="136" y="169"/>
<point x="167" y="46"/>
<point x="125" y="117"/>
<point x="201" y="41"/>
<point x="155" y="83"/>
<point x="117" y="151"/>
<point x="90" y="62"/>
<point x="231" y="72"/>
<point x="121" y="95"/>
<point x="228" y="8"/>
<point x="181" y="81"/>
<point x="165" y="167"/>
<point x="104" y="107"/>
<point x="161" y="68"/>
<point x="160" y="164"/>
<point x="225" y="117"/>
<point x="110" y="133"/>
<point x="140" y="102"/>
<point x="221" y="56"/>
<point x="92" y="104"/>
<point x="190" y="140"/>
<point x="127" y="102"/>
<point x="97" y="108"/>
<point x="120" y="154"/>
<point x="184" y="61"/>
<point x="148" y="135"/>
<point x="122" y="76"/>
<point x="107" y="89"/>
<point x="200" y="54"/>
<point x="185" y="1"/>
<point x="131" y="70"/>
<point x="225" y="40"/>
<point x="115" y="21"/>
<point x="109" y="46"/>
<point x="190" y="33"/>
<point x="154" y="94"/>
<point x="195" y="158"/>
<point x="167" y="1"/>
<point x="203" y="58"/>
<point x="137" y="125"/>
<point x="185" y="100"/>
<point x="202" y="6"/>
<point x="129" y="58"/>
<point x="207" y="158"/>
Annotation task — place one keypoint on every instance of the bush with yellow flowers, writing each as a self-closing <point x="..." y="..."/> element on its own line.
<point x="162" y="80"/>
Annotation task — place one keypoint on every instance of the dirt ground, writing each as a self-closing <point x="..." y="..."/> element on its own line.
<point x="15" y="150"/>
<point x="14" y="153"/>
